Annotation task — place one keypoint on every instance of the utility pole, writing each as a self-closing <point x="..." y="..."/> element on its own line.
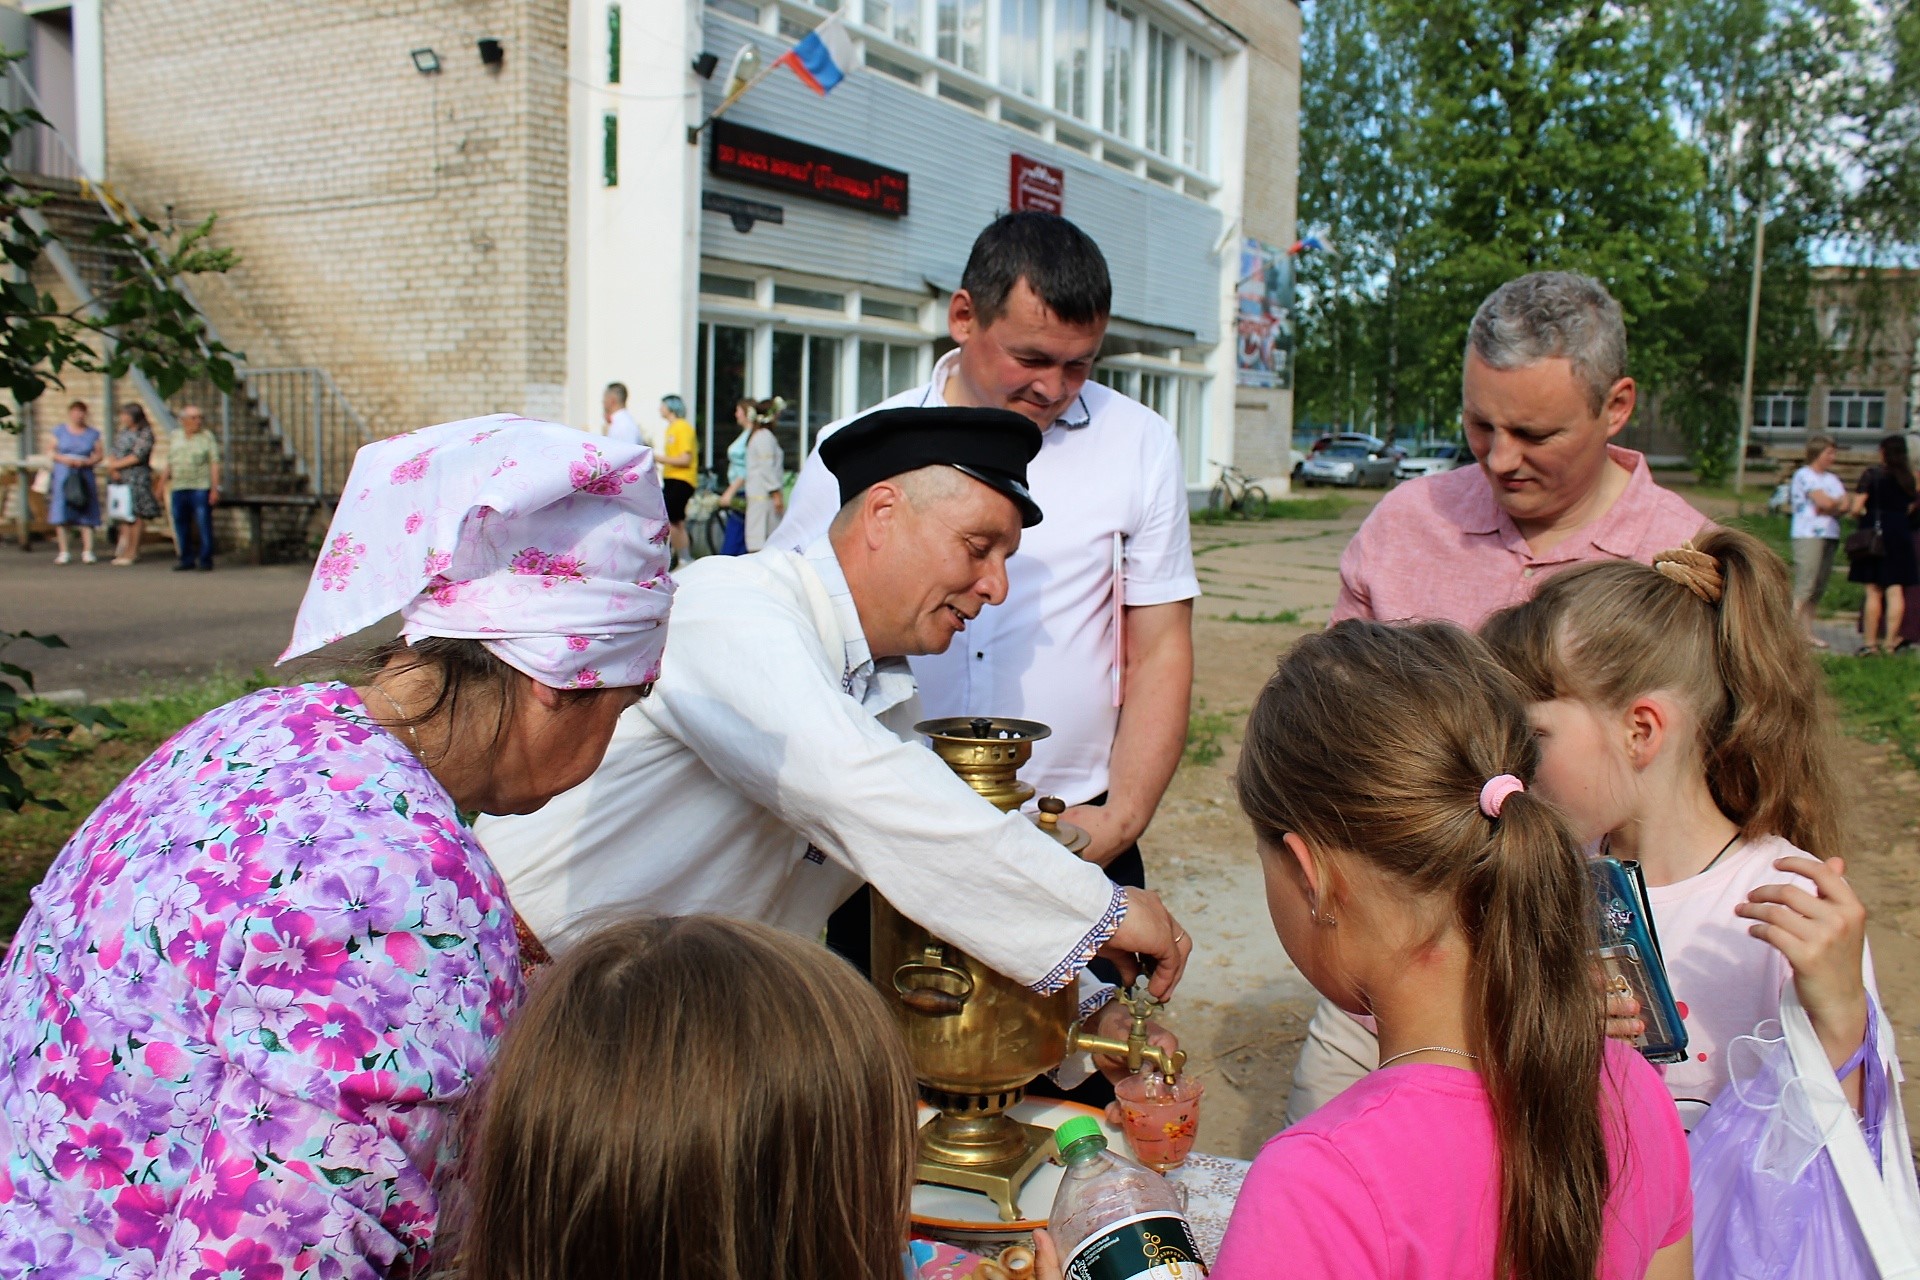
<point x="1753" y="334"/>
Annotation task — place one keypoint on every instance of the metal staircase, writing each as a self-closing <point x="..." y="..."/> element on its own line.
<point x="288" y="434"/>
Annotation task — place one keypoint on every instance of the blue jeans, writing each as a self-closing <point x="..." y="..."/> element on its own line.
<point x="192" y="513"/>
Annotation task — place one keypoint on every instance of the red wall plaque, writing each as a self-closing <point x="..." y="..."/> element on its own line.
<point x="1036" y="186"/>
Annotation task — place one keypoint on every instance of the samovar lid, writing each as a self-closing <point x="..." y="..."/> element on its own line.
<point x="983" y="729"/>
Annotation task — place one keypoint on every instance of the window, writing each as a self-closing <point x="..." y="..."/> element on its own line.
<point x="613" y="44"/>
<point x="1196" y="135"/>
<point x="740" y="9"/>
<point x="1116" y="99"/>
<point x="1857" y="411"/>
<point x="722" y="354"/>
<point x="788" y="295"/>
<point x="1191" y="424"/>
<point x="725" y="286"/>
<point x="1161" y="51"/>
<point x="806" y="374"/>
<point x="1784" y="411"/>
<point x="609" y="149"/>
<point x="879" y="309"/>
<point x="1180" y="398"/>
<point x="1020" y="46"/>
<point x="886" y="369"/>
<point x="960" y="33"/>
<point x="897" y="18"/>
<point x="1072" y="42"/>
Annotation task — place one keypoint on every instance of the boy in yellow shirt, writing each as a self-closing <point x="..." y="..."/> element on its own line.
<point x="678" y="471"/>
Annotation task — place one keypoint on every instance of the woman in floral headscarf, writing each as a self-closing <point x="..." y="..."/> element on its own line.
<point x="258" y="980"/>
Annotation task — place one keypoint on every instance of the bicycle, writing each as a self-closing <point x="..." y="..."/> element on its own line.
<point x="706" y="518"/>
<point x="1236" y="492"/>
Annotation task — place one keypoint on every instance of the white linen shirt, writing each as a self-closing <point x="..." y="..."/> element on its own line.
<point x="622" y="426"/>
<point x="772" y="769"/>
<point x="1108" y="465"/>
<point x="1808" y="520"/>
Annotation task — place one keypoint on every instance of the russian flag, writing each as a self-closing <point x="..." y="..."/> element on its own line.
<point x="823" y="59"/>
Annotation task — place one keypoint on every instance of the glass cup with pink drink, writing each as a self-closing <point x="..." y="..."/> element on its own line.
<point x="1159" y="1116"/>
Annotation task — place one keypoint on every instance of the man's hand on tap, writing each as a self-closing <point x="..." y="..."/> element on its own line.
<point x="1151" y="934"/>
<point x="1115" y="1022"/>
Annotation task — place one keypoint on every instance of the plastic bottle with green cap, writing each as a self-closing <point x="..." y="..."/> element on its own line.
<point x="1114" y="1219"/>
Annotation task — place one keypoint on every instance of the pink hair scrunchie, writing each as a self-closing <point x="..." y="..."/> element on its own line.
<point x="1495" y="793"/>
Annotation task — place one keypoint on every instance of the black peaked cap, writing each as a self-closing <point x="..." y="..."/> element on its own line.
<point x="993" y="446"/>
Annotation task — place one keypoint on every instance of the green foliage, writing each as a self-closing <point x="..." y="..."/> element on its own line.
<point x="1879" y="699"/>
<point x="1325" y="506"/>
<point x="1450" y="145"/>
<point x="1286" y="617"/>
<point x="1205" y="732"/>
<point x="33" y="735"/>
<point x="143" y="320"/>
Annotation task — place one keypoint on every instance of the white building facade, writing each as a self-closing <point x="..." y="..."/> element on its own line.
<point x="736" y="266"/>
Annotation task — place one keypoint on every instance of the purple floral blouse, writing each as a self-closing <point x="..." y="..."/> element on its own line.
<point x="250" y="993"/>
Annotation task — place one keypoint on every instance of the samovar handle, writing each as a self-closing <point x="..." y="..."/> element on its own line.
<point x="932" y="986"/>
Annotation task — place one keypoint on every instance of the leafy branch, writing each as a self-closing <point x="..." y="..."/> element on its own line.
<point x="33" y="735"/>
<point x="142" y="319"/>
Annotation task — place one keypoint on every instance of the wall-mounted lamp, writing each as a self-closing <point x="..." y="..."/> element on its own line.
<point x="705" y="65"/>
<point x="491" y="52"/>
<point x="426" y="62"/>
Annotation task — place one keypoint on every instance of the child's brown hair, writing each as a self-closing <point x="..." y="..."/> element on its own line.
<point x="1714" y="624"/>
<point x="696" y="1098"/>
<point x="1374" y="742"/>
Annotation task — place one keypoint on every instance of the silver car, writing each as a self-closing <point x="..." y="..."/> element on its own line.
<point x="1432" y="460"/>
<point x="1347" y="465"/>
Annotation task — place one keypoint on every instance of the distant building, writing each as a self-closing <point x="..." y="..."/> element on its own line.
<point x="1870" y="322"/>
<point x="447" y="208"/>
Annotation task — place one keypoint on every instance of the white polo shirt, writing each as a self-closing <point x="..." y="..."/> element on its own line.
<point x="1108" y="465"/>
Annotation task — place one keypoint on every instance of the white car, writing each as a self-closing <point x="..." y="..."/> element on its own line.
<point x="1432" y="460"/>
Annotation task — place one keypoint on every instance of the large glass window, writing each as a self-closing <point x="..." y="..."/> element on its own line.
<point x="886" y="369"/>
<point x="1857" y="411"/>
<point x="1072" y="51"/>
<point x="1116" y="99"/>
<point x="1784" y="411"/>
<point x="960" y="33"/>
<point x="897" y="18"/>
<point x="806" y="374"/>
<point x="1020" y="46"/>
<point x="722" y="355"/>
<point x="1196" y="137"/>
<point x="1162" y="49"/>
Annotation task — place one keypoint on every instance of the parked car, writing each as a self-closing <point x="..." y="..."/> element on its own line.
<point x="1432" y="460"/>
<point x="1327" y="441"/>
<point x="1347" y="463"/>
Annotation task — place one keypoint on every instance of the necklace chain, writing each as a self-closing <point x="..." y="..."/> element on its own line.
<point x="413" y="731"/>
<point x="1429" y="1048"/>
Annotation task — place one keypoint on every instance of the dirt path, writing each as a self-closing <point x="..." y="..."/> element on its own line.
<point x="1243" y="1010"/>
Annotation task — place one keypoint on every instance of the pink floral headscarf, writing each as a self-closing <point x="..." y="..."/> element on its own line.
<point x="543" y="542"/>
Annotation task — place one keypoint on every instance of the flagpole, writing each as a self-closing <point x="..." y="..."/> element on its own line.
<point x="695" y="130"/>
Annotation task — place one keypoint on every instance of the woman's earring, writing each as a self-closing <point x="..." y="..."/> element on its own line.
<point x="1314" y="911"/>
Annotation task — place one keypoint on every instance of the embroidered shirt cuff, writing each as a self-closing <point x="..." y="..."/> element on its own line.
<point x="1092" y="1002"/>
<point x="1076" y="960"/>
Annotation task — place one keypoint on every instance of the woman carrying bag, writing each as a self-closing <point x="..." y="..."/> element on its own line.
<point x="132" y="472"/>
<point x="1880" y="552"/>
<point x="75" y="497"/>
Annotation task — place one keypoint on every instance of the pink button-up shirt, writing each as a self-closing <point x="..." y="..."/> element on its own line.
<point x="1441" y="548"/>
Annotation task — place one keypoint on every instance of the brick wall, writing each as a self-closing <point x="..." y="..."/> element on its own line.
<point x="405" y="231"/>
<point x="1263" y="420"/>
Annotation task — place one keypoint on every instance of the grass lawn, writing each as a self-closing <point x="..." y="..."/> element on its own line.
<point x="30" y="839"/>
<point x="1322" y="506"/>
<point x="1879" y="699"/>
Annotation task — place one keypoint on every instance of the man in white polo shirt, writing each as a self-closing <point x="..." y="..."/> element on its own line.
<point x="1029" y="318"/>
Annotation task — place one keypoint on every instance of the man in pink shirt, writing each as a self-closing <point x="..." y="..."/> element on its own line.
<point x="1544" y="390"/>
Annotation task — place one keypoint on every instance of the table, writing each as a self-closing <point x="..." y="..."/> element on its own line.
<point x="970" y="1221"/>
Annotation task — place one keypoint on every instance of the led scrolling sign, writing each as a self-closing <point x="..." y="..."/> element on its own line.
<point x="787" y="164"/>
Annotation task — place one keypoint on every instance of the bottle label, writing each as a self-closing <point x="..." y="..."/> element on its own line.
<point x="1147" y="1246"/>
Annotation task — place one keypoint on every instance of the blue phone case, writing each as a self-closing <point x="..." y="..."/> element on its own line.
<point x="1629" y="954"/>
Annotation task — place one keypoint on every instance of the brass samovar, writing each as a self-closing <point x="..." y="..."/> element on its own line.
<point x="978" y="1037"/>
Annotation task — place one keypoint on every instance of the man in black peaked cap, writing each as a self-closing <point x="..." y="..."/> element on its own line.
<point x="774" y="767"/>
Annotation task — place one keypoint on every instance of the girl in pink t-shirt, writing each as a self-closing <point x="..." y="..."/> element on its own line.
<point x="1681" y="722"/>
<point x="1412" y="876"/>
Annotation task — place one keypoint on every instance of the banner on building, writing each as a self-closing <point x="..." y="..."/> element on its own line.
<point x="1265" y="320"/>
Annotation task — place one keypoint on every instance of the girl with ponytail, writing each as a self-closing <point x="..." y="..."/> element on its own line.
<point x="1682" y="723"/>
<point x="1413" y="875"/>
